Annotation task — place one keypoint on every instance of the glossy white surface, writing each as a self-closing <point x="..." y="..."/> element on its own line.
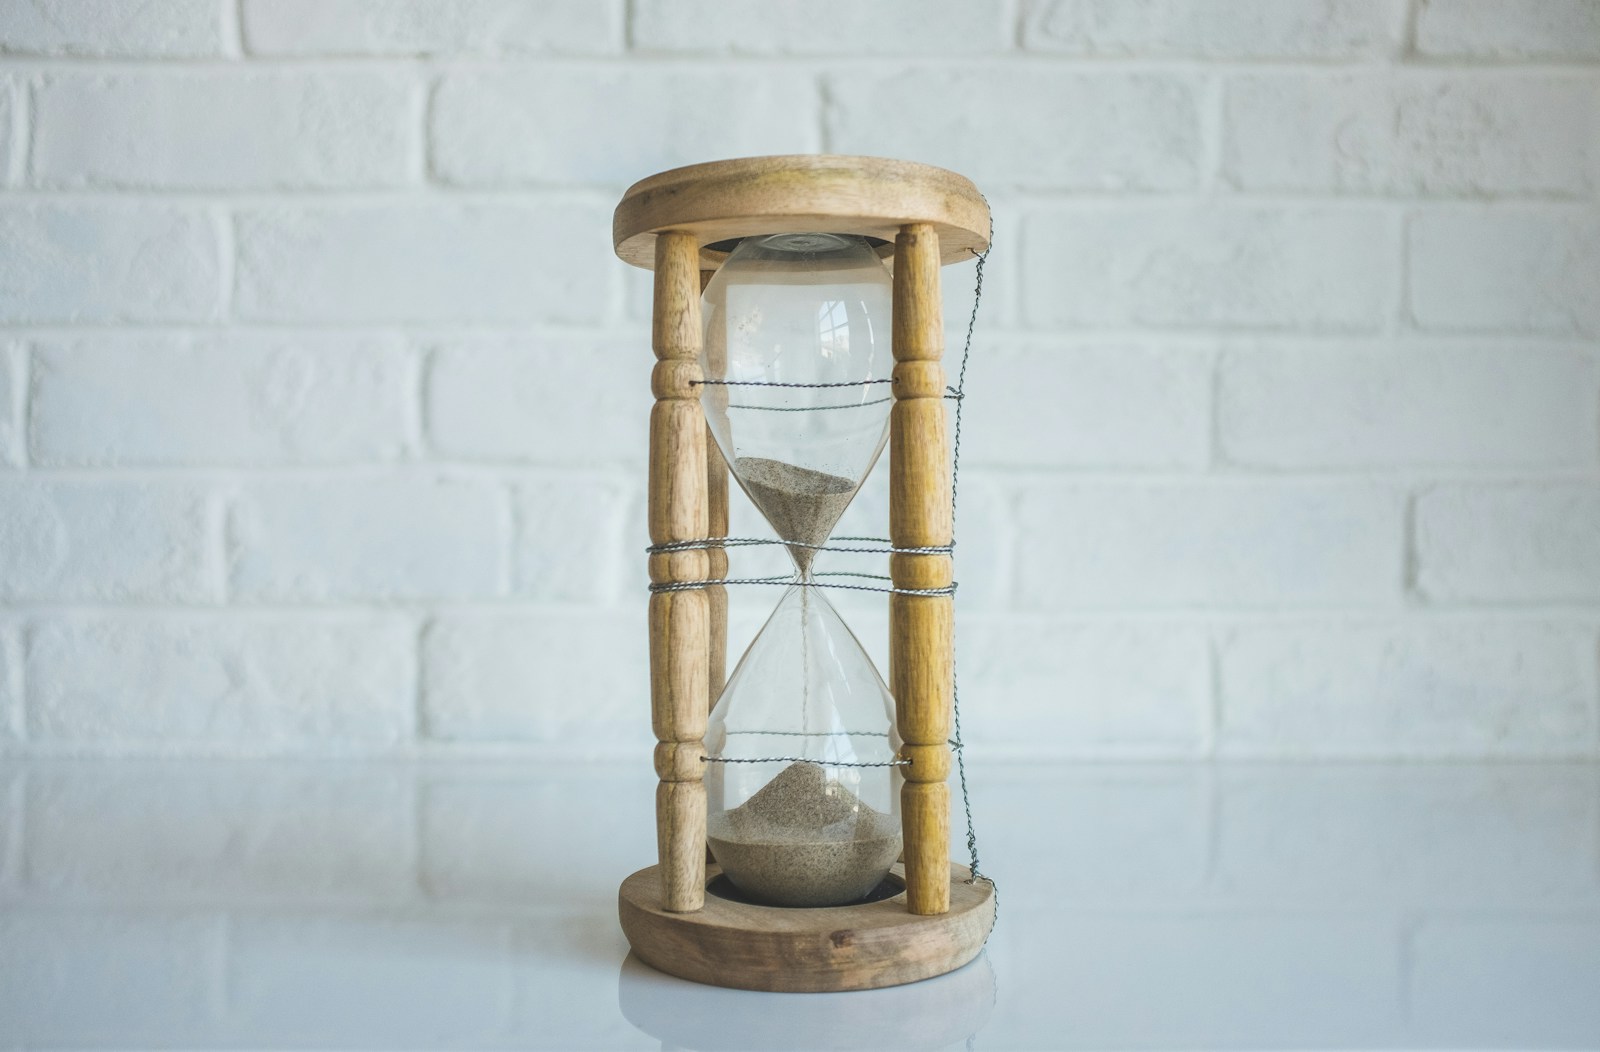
<point x="366" y="905"/>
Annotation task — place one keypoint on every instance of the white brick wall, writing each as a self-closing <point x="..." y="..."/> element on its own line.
<point x="323" y="399"/>
<point x="1542" y="276"/>
<point x="1444" y="134"/>
<point x="380" y="264"/>
<point x="213" y="682"/>
<point x="497" y="128"/>
<point x="1206" y="266"/>
<point x="367" y="540"/>
<point x="1208" y="544"/>
<point x="1428" y="689"/>
<point x="132" y="262"/>
<point x="1511" y="542"/>
<point x="424" y="27"/>
<point x="105" y="540"/>
<point x="175" y="29"/>
<point x="1339" y="405"/>
<point x="1285" y="29"/>
<point x="1063" y="117"/>
<point x="270" y="399"/>
<point x="819" y="28"/>
<point x="208" y="131"/>
<point x="1509" y="29"/>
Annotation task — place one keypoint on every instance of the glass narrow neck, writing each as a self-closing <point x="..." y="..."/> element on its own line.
<point x="804" y="559"/>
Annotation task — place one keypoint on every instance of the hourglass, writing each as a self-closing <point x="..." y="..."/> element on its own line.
<point x="820" y="792"/>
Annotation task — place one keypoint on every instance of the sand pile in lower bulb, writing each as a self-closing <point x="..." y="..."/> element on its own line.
<point x="801" y="504"/>
<point x="804" y="840"/>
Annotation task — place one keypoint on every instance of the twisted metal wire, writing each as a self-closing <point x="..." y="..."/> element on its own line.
<point x="776" y="383"/>
<point x="976" y="872"/>
<point x="954" y="744"/>
<point x="806" y="759"/>
<point x="887" y="548"/>
<point x="810" y="408"/>
<point x="804" y="582"/>
<point x="950" y="392"/>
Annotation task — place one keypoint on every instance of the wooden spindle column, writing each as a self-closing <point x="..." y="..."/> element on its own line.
<point x="921" y="627"/>
<point x="680" y="622"/>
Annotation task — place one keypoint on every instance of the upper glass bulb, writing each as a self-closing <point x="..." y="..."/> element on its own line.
<point x="804" y="309"/>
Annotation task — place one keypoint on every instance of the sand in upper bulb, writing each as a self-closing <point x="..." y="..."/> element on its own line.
<point x="801" y="504"/>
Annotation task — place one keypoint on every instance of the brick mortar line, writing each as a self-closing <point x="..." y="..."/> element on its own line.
<point x="624" y="473"/>
<point x="1210" y="730"/>
<point x="232" y="28"/>
<point x="997" y="756"/>
<point x="1408" y="31"/>
<point x="418" y="369"/>
<point x="19" y="360"/>
<point x="1014" y="23"/>
<point x="13" y="649"/>
<point x="1397" y="303"/>
<point x="1212" y="118"/>
<point x="994" y="474"/>
<point x="1577" y="614"/>
<point x="226" y="234"/>
<point x="650" y="60"/>
<point x="1043" y="334"/>
<point x="1008" y="197"/>
<point x="1595" y="707"/>
<point x="419" y="160"/>
<point x="253" y="198"/>
<point x="992" y="339"/>
<point x="21" y="93"/>
<point x="218" y="542"/>
<point x="1411" y="553"/>
<point x="1216" y="448"/>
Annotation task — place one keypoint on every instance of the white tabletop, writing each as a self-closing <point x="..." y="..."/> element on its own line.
<point x="183" y="904"/>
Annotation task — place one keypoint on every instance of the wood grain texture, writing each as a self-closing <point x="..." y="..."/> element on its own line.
<point x="681" y="845"/>
<point x="871" y="196"/>
<point x="921" y="628"/>
<point x="925" y="809"/>
<point x="680" y="636"/>
<point x="680" y="622"/>
<point x="806" y="950"/>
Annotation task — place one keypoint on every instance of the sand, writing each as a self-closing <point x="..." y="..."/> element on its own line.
<point x="801" y="504"/>
<point x="804" y="840"/>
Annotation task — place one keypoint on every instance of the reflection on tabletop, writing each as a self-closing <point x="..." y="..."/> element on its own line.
<point x="185" y="904"/>
<point x="938" y="1013"/>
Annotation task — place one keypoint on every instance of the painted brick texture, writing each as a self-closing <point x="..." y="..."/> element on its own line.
<point x="233" y="130"/>
<point x="324" y="402"/>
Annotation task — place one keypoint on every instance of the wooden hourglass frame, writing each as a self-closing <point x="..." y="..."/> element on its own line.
<point x="682" y="224"/>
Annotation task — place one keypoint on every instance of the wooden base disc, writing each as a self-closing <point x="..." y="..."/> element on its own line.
<point x="749" y="947"/>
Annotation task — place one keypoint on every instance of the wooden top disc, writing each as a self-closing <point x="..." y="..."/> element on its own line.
<point x="800" y="193"/>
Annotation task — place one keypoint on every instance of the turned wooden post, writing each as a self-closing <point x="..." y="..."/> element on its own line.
<point x="921" y="627"/>
<point x="680" y="622"/>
